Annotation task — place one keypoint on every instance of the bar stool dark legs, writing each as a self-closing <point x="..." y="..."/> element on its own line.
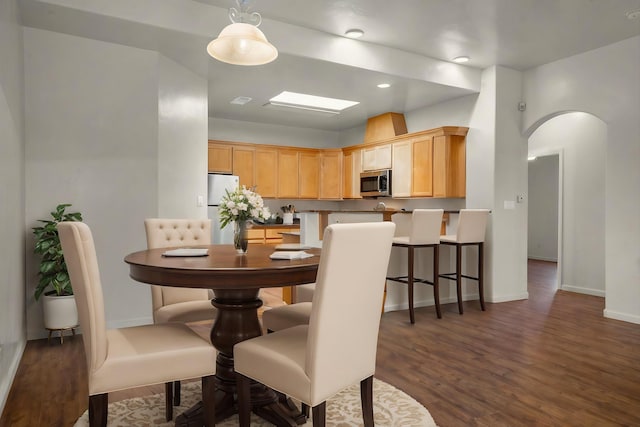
<point x="458" y="276"/>
<point x="410" y="278"/>
<point x="422" y="231"/>
<point x="472" y="224"/>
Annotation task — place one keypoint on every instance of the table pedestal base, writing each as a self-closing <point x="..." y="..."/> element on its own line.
<point x="238" y="311"/>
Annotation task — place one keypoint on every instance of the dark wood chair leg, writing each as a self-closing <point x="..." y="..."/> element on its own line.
<point x="244" y="403"/>
<point x="209" y="400"/>
<point x="412" y="316"/>
<point x="459" y="277"/>
<point x="176" y="393"/>
<point x="481" y="274"/>
<point x="98" y="404"/>
<point x="168" y="401"/>
<point x="366" y="398"/>
<point x="320" y="415"/>
<point x="436" y="279"/>
<point x="305" y="409"/>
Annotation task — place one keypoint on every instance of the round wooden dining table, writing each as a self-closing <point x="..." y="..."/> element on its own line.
<point x="236" y="281"/>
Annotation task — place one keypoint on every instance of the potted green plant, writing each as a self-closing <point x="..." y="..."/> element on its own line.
<point x="54" y="286"/>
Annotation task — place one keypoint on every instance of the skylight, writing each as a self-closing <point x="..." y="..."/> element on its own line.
<point x="311" y="102"/>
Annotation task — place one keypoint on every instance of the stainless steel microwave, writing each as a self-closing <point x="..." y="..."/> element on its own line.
<point x="375" y="183"/>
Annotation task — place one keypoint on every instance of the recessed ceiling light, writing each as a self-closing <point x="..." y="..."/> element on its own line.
<point x="634" y="14"/>
<point x="311" y="102"/>
<point x="461" y="59"/>
<point x="531" y="158"/>
<point x="354" y="33"/>
<point x="241" y="100"/>
<point x="384" y="85"/>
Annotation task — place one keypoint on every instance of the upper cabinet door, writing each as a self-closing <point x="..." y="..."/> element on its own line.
<point x="266" y="171"/>
<point x="331" y="174"/>
<point x="378" y="157"/>
<point x="220" y="158"/>
<point x="287" y="174"/>
<point x="449" y="166"/>
<point x="309" y="174"/>
<point x="422" y="167"/>
<point x="243" y="165"/>
<point x="401" y="177"/>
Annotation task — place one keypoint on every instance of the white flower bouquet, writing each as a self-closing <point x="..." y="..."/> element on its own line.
<point x="242" y="205"/>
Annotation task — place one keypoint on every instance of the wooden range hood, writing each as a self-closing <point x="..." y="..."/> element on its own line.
<point x="385" y="126"/>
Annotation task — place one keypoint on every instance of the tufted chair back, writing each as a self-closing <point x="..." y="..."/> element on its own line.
<point x="164" y="233"/>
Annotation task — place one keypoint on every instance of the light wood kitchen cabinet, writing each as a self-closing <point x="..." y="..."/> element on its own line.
<point x="287" y="173"/>
<point x="268" y="234"/>
<point x="449" y="166"/>
<point x="331" y="174"/>
<point x="377" y="157"/>
<point x="352" y="166"/>
<point x="401" y="169"/>
<point x="309" y="174"/>
<point x="428" y="163"/>
<point x="422" y="167"/>
<point x="220" y="158"/>
<point x="266" y="171"/>
<point x="244" y="165"/>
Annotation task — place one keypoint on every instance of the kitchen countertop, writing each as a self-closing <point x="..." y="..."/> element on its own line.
<point x="261" y="226"/>
<point x="385" y="211"/>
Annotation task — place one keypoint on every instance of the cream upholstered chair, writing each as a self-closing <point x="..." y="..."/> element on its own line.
<point x="423" y="231"/>
<point x="470" y="231"/>
<point x="119" y="359"/>
<point x="286" y="316"/>
<point x="179" y="304"/>
<point x="337" y="348"/>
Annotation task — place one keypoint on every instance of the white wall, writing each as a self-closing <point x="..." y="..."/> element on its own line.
<point x="604" y="82"/>
<point x="92" y="140"/>
<point x="542" y="232"/>
<point x="582" y="139"/>
<point x="182" y="142"/>
<point x="12" y="231"/>
<point x="508" y="227"/>
<point x="261" y="133"/>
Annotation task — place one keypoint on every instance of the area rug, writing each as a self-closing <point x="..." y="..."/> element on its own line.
<point x="392" y="407"/>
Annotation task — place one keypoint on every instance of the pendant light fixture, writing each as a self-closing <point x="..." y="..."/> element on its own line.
<point x="241" y="42"/>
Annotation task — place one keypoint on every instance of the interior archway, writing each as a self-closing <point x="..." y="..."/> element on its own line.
<point x="579" y="141"/>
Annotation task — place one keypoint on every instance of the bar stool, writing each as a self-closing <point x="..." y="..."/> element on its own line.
<point x="424" y="232"/>
<point x="472" y="224"/>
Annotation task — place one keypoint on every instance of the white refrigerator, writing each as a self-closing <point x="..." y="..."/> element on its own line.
<point x="216" y="189"/>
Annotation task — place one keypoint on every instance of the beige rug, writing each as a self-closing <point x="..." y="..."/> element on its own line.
<point x="392" y="407"/>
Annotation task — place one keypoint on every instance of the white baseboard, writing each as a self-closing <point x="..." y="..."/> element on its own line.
<point x="428" y="303"/>
<point x="453" y="299"/>
<point x="7" y="377"/>
<point x="625" y="317"/>
<point x="507" y="298"/>
<point x="541" y="258"/>
<point x="114" y="324"/>
<point x="587" y="291"/>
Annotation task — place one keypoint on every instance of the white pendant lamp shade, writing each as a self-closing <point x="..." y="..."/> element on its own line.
<point x="242" y="44"/>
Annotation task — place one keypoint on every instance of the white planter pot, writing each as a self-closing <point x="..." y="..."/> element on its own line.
<point x="59" y="312"/>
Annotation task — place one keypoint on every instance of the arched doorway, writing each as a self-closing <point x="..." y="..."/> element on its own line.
<point x="578" y="140"/>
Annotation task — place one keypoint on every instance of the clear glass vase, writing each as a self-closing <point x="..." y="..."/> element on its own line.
<point x="240" y="239"/>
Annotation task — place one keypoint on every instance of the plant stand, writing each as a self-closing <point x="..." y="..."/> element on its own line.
<point x="61" y="330"/>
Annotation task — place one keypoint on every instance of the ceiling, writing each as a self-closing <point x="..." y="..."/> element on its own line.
<point x="409" y="44"/>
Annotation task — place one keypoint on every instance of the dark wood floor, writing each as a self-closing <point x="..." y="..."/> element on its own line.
<point x="551" y="360"/>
